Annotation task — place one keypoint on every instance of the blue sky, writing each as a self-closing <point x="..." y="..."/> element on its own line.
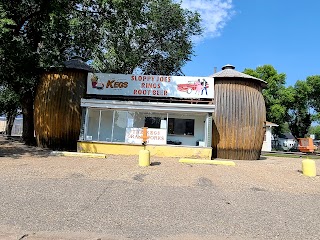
<point x="251" y="33"/>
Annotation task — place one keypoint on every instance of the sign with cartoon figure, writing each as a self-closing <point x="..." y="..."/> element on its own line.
<point x="150" y="85"/>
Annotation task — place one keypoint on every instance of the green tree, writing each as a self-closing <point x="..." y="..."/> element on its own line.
<point x="152" y="37"/>
<point x="9" y="105"/>
<point x="119" y="35"/>
<point x="5" y="22"/>
<point x="299" y="118"/>
<point x="314" y="84"/>
<point x="315" y="130"/>
<point x="40" y="34"/>
<point x="277" y="97"/>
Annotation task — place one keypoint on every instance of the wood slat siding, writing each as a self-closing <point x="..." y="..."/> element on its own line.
<point x="239" y="119"/>
<point x="57" y="111"/>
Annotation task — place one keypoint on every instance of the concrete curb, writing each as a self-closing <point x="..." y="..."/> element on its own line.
<point x="202" y="161"/>
<point x="78" y="154"/>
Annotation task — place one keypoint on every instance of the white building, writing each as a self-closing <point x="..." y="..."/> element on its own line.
<point x="177" y="110"/>
<point x="267" y="141"/>
<point x="286" y="142"/>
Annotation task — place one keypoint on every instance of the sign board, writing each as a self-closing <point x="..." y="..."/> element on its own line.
<point x="150" y="85"/>
<point x="155" y="136"/>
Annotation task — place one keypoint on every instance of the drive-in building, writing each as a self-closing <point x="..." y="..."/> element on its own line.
<point x="177" y="110"/>
<point x="220" y="116"/>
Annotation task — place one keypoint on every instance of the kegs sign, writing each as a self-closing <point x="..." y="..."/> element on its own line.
<point x="150" y="85"/>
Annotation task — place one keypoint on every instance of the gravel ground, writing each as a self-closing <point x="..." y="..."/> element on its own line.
<point x="50" y="197"/>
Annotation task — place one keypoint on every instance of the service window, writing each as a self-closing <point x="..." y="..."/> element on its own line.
<point x="152" y="122"/>
<point x="178" y="126"/>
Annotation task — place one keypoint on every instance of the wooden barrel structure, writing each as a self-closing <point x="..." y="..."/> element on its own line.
<point x="240" y="115"/>
<point x="57" y="111"/>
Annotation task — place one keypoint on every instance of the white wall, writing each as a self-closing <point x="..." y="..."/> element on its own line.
<point x="267" y="140"/>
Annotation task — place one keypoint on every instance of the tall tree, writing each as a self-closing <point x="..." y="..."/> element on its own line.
<point x="152" y="37"/>
<point x="277" y="97"/>
<point x="124" y="35"/>
<point x="314" y="84"/>
<point x="299" y="118"/>
<point x="315" y="130"/>
<point x="39" y="34"/>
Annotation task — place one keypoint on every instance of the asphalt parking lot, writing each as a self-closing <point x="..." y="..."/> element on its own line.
<point x="50" y="197"/>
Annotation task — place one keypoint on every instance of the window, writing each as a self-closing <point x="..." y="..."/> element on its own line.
<point x="105" y="133"/>
<point x="119" y="126"/>
<point x="152" y="122"/>
<point x="93" y="124"/>
<point x="179" y="126"/>
<point x="111" y="125"/>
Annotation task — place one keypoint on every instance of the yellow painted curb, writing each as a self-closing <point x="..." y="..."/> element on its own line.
<point x="78" y="154"/>
<point x="201" y="161"/>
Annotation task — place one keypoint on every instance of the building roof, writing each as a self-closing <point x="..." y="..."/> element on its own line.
<point x="229" y="72"/>
<point x="270" y="124"/>
<point x="77" y="64"/>
<point x="287" y="136"/>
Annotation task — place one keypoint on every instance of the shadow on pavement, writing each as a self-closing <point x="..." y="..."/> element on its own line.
<point x="14" y="148"/>
<point x="155" y="163"/>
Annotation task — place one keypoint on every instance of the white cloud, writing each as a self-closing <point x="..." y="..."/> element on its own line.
<point x="214" y="14"/>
